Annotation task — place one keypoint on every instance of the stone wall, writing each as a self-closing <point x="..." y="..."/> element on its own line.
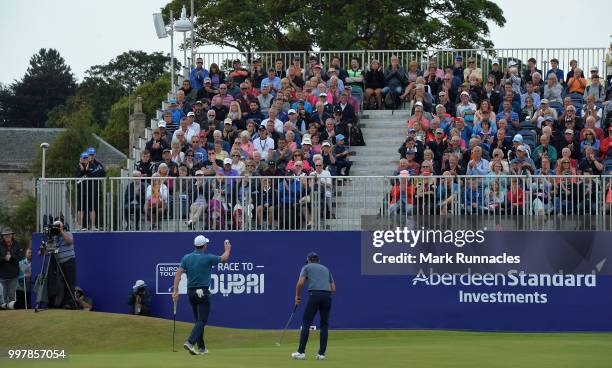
<point x="15" y="186"/>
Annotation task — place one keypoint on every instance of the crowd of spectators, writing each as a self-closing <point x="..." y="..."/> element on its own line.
<point x="516" y="121"/>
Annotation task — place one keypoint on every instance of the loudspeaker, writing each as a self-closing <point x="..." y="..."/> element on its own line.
<point x="160" y="27"/>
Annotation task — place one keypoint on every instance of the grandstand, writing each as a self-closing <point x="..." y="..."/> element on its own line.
<point x="499" y="138"/>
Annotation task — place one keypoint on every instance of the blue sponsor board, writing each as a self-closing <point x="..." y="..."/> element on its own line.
<point x="256" y="288"/>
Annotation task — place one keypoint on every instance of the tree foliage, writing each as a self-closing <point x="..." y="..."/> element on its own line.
<point x="116" y="131"/>
<point x="249" y="25"/>
<point x="21" y="219"/>
<point x="63" y="154"/>
<point x="130" y="69"/>
<point x="47" y="83"/>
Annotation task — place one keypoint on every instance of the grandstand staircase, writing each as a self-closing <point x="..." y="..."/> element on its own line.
<point x="383" y="131"/>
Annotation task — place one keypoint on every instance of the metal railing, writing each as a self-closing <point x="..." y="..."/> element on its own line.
<point x="327" y="203"/>
<point x="586" y="57"/>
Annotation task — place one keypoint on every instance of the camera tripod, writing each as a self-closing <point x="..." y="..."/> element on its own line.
<point x="49" y="254"/>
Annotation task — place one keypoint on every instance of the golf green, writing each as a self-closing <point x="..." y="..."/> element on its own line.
<point x="113" y="340"/>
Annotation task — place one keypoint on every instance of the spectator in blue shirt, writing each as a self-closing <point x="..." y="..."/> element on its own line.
<point x="554" y="63"/>
<point x="273" y="81"/>
<point x="474" y="196"/>
<point x="197" y="75"/>
<point x="477" y="164"/>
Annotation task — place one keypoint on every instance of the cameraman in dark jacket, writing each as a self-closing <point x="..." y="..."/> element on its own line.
<point x="58" y="296"/>
<point x="11" y="252"/>
<point x="140" y="299"/>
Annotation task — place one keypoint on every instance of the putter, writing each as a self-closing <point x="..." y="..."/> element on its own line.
<point x="174" y="326"/>
<point x="287" y="325"/>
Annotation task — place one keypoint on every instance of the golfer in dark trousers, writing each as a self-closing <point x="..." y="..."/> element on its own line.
<point x="321" y="286"/>
<point x="197" y="266"/>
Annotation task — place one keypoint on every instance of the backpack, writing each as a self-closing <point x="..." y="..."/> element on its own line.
<point x="390" y="101"/>
<point x="356" y="137"/>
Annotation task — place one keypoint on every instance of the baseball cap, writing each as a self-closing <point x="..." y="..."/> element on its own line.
<point x="442" y="93"/>
<point x="316" y="66"/>
<point x="200" y="241"/>
<point x="7" y="231"/>
<point x="517" y="138"/>
<point x="91" y="151"/>
<point x="411" y="130"/>
<point x="199" y="172"/>
<point x="418" y="103"/>
<point x="261" y="127"/>
<point x="544" y="100"/>
<point x="569" y="131"/>
<point x="190" y="113"/>
<point x="167" y="150"/>
<point x="411" y="152"/>
<point x="458" y="57"/>
<point x="161" y="124"/>
<point x="322" y="94"/>
<point x="464" y="93"/>
<point x="511" y="64"/>
<point x="298" y="163"/>
<point x="326" y="144"/>
<point x="306" y="141"/>
<point x="549" y="118"/>
<point x="172" y="101"/>
<point x="237" y="61"/>
<point x="312" y="256"/>
<point x="198" y="102"/>
<point x="84" y="155"/>
<point x="339" y="137"/>
<point x="522" y="147"/>
<point x="291" y="111"/>
<point x="138" y="284"/>
<point x="594" y="69"/>
<point x="207" y="80"/>
<point x="440" y="130"/>
<point x="495" y="61"/>
<point x="404" y="174"/>
<point x="227" y="121"/>
<point x="227" y="161"/>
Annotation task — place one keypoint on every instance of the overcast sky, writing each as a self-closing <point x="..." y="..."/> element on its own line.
<point x="90" y="32"/>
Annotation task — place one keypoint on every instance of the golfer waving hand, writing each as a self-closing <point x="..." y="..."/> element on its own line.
<point x="197" y="266"/>
<point x="321" y="286"/>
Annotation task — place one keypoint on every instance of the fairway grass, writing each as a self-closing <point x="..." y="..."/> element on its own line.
<point x="114" y="340"/>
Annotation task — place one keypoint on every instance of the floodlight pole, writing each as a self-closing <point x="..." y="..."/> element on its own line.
<point x="192" y="53"/>
<point x="44" y="154"/>
<point x="172" y="88"/>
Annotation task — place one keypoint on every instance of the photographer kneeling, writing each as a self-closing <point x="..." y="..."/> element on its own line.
<point x="85" y="302"/>
<point x="64" y="258"/>
<point x="140" y="299"/>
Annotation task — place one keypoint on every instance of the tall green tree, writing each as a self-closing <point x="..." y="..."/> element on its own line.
<point x="249" y="25"/>
<point x="47" y="83"/>
<point x="116" y="131"/>
<point x="130" y="69"/>
<point x="63" y="154"/>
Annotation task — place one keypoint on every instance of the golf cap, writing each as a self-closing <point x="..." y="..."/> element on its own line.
<point x="198" y="102"/>
<point x="84" y="155"/>
<point x="418" y="103"/>
<point x="227" y="161"/>
<point x="139" y="283"/>
<point x="91" y="151"/>
<point x="339" y="137"/>
<point x="199" y="173"/>
<point x="522" y="147"/>
<point x="291" y="111"/>
<point x="544" y="100"/>
<point x="57" y="223"/>
<point x="200" y="241"/>
<point x="404" y="174"/>
<point x="517" y="138"/>
<point x="322" y="94"/>
<point x="511" y="64"/>
<point x="161" y="124"/>
<point x="594" y="69"/>
<point x="326" y="144"/>
<point x="312" y="256"/>
<point x="410" y="152"/>
<point x="227" y="121"/>
<point x="167" y="150"/>
<point x="261" y="127"/>
<point x="190" y="113"/>
<point x="7" y="231"/>
<point x="569" y="131"/>
<point x="458" y="57"/>
<point x="316" y="66"/>
<point x="440" y="130"/>
<point x="207" y="80"/>
<point x="495" y="61"/>
<point x="464" y="93"/>
<point x="172" y="101"/>
<point x="306" y="141"/>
